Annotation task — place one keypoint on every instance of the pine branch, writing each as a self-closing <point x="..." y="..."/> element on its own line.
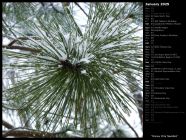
<point x="7" y="125"/>
<point x="81" y="9"/>
<point x="21" y="48"/>
<point x="12" y="46"/>
<point x="34" y="134"/>
<point x="22" y="38"/>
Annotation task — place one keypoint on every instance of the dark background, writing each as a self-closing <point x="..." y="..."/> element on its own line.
<point x="171" y="124"/>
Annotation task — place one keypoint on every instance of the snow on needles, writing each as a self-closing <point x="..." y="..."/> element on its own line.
<point x="83" y="72"/>
<point x="87" y="58"/>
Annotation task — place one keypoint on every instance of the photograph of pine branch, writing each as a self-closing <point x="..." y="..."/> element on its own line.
<point x="72" y="70"/>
